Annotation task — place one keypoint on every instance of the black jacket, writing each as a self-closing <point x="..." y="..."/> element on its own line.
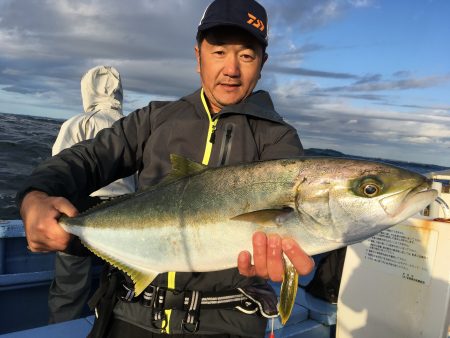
<point x="142" y="142"/>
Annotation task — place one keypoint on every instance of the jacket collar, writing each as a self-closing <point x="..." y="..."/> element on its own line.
<point x="258" y="104"/>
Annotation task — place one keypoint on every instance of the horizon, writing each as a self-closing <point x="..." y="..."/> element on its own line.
<point x="363" y="77"/>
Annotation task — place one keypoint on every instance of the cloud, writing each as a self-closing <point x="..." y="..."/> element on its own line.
<point x="436" y="109"/>
<point x="20" y="90"/>
<point x="365" y="97"/>
<point x="146" y="40"/>
<point x="307" y="15"/>
<point x="369" y="78"/>
<point x="61" y="28"/>
<point x="48" y="45"/>
<point x="378" y="131"/>
<point x="374" y="83"/>
<point x="308" y="72"/>
<point x="402" y="74"/>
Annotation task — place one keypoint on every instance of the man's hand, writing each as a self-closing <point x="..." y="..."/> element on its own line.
<point x="40" y="214"/>
<point x="267" y="256"/>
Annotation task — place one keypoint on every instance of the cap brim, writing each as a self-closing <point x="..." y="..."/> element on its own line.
<point x="209" y="25"/>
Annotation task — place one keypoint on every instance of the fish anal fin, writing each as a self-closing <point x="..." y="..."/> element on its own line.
<point x="140" y="279"/>
<point x="266" y="217"/>
<point x="288" y="291"/>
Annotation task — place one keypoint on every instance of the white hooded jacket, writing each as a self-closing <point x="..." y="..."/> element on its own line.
<point x="101" y="91"/>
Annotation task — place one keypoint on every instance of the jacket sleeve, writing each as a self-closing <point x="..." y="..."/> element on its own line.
<point x="76" y="172"/>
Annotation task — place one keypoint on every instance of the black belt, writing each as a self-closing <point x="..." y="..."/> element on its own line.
<point x="180" y="300"/>
<point x="159" y="299"/>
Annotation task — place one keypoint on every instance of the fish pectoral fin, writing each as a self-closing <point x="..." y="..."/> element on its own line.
<point x="266" y="217"/>
<point x="140" y="279"/>
<point x="288" y="291"/>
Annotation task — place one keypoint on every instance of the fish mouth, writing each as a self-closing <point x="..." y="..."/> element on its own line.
<point x="413" y="201"/>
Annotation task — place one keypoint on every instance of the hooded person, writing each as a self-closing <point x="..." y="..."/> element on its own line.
<point x="102" y="95"/>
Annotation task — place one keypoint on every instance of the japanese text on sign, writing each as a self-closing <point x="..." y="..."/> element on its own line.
<point x="407" y="252"/>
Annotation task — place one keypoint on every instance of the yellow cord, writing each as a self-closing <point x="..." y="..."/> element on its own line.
<point x="211" y="130"/>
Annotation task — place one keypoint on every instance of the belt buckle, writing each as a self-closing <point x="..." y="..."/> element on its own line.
<point x="185" y="326"/>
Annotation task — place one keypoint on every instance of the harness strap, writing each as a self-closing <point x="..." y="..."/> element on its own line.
<point x="165" y="299"/>
<point x="191" y="319"/>
<point x="159" y="319"/>
<point x="103" y="301"/>
<point x="147" y="296"/>
<point x="160" y="299"/>
<point x="129" y="295"/>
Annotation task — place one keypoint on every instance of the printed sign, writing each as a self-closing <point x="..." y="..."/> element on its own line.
<point x="405" y="251"/>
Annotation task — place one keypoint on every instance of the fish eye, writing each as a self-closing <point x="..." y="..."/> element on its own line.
<point x="370" y="189"/>
<point x="368" y="186"/>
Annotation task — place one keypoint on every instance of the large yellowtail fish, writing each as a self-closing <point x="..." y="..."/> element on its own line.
<point x="199" y="219"/>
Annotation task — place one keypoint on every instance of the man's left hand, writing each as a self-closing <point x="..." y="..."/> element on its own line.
<point x="268" y="257"/>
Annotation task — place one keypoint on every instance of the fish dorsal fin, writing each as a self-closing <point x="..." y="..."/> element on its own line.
<point x="140" y="279"/>
<point x="182" y="167"/>
<point x="185" y="167"/>
<point x="266" y="217"/>
<point x="288" y="291"/>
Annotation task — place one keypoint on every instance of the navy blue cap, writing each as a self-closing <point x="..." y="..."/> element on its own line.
<point x="246" y="14"/>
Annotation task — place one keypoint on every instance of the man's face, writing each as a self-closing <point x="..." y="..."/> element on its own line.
<point x="229" y="62"/>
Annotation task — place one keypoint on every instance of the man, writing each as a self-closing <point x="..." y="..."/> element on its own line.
<point x="224" y="122"/>
<point x="102" y="95"/>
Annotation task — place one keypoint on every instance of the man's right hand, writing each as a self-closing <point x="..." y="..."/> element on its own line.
<point x="40" y="214"/>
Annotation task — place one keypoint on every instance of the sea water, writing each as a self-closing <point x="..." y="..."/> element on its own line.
<point x="25" y="141"/>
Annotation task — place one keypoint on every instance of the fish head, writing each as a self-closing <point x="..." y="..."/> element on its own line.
<point x="346" y="200"/>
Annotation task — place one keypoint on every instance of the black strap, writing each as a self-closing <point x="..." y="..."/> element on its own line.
<point x="159" y="319"/>
<point x="180" y="300"/>
<point x="128" y="295"/>
<point x="104" y="300"/>
<point x="147" y="296"/>
<point x="159" y="299"/>
<point x="104" y="286"/>
<point x="191" y="318"/>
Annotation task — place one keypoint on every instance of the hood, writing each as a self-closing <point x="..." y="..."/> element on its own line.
<point x="101" y="89"/>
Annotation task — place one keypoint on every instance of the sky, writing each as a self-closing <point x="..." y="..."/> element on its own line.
<point x="363" y="77"/>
